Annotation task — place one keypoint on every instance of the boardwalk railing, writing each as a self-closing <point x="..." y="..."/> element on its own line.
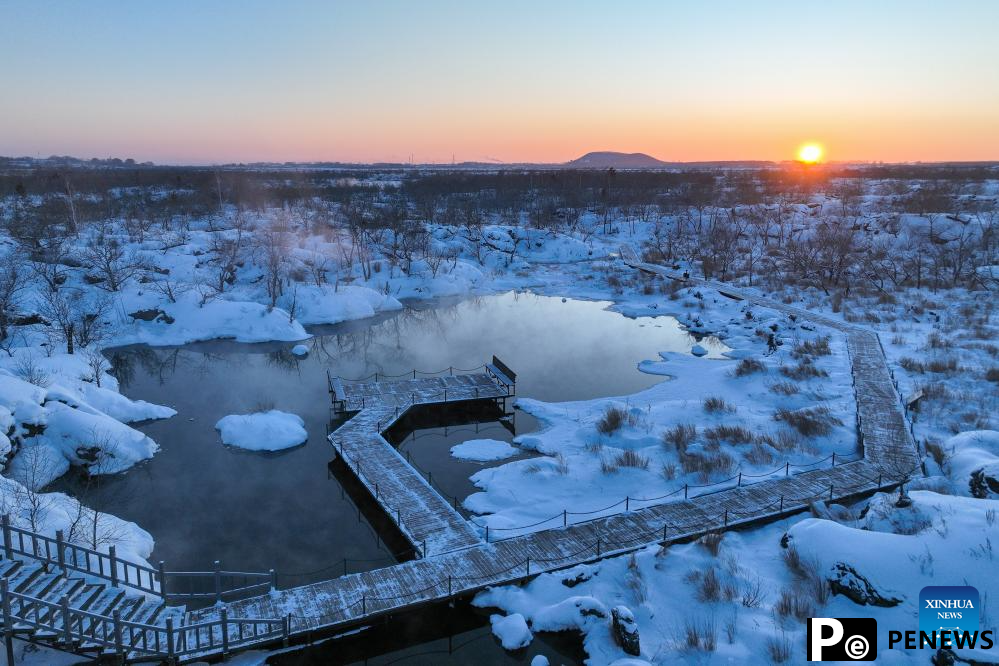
<point x="74" y="626"/>
<point x="171" y="586"/>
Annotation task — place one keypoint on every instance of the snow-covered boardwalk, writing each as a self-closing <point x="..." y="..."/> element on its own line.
<point x="424" y="517"/>
<point x="890" y="456"/>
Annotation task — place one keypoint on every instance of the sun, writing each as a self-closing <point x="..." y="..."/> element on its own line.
<point x="810" y="153"/>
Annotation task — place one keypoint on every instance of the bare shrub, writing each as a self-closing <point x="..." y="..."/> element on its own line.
<point x="784" y="388"/>
<point x="817" y="347"/>
<point x="942" y="365"/>
<point x="804" y="370"/>
<point x="561" y="465"/>
<point x="707" y="465"/>
<point x="669" y="471"/>
<point x="748" y="366"/>
<point x="728" y="433"/>
<point x="778" y="649"/>
<point x="759" y="455"/>
<point x="700" y="635"/>
<point x="27" y="369"/>
<point x="607" y="466"/>
<point x="794" y="603"/>
<point x="631" y="458"/>
<point x="712" y="542"/>
<point x="613" y="419"/>
<point x="808" y="422"/>
<point x="939" y="454"/>
<point x="911" y="365"/>
<point x="752" y="593"/>
<point x="715" y="404"/>
<point x="680" y="436"/>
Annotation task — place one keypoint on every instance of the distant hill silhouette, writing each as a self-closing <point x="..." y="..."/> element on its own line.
<point x="607" y="159"/>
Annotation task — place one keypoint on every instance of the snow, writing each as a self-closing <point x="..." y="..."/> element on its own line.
<point x="272" y="430"/>
<point x="512" y="631"/>
<point x="300" y="350"/>
<point x="950" y="546"/>
<point x="242" y="321"/>
<point x="329" y="305"/>
<point x="972" y="451"/>
<point x="483" y="450"/>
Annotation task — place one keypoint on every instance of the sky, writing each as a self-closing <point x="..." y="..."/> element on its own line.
<point x="205" y="82"/>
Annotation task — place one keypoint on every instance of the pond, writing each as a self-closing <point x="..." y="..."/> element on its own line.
<point x="294" y="512"/>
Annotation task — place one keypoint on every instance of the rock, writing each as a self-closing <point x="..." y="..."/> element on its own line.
<point x="300" y="351"/>
<point x="581" y="577"/>
<point x="512" y="631"/>
<point x="152" y="314"/>
<point x="698" y="350"/>
<point x="626" y="630"/>
<point x="846" y="581"/>
<point x="981" y="482"/>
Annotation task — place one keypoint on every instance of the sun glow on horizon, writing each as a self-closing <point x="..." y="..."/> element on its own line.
<point x="810" y="153"/>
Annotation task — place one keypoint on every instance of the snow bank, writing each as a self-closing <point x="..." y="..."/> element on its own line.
<point x="974" y="462"/>
<point x="242" y="321"/>
<point x="262" y="431"/>
<point x="483" y="450"/>
<point x="326" y="305"/>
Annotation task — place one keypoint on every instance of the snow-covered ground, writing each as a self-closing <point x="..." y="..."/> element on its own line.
<point x="778" y="392"/>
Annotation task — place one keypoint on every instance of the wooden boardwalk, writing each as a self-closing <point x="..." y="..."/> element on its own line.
<point x="890" y="457"/>
<point x="457" y="558"/>
<point x="425" y="518"/>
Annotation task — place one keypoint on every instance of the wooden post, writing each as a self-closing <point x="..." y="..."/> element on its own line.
<point x="8" y="547"/>
<point x="664" y="534"/>
<point x="726" y="517"/>
<point x="565" y="518"/>
<point x="61" y="551"/>
<point x="345" y="566"/>
<point x="685" y="491"/>
<point x="218" y="580"/>
<point x="224" y="617"/>
<point x="286" y="629"/>
<point x="114" y="565"/>
<point x="364" y="604"/>
<point x="118" y="644"/>
<point x="598" y="546"/>
<point x="487" y="534"/>
<point x="787" y="469"/>
<point x="67" y="635"/>
<point x="834" y="459"/>
<point x="163" y="585"/>
<point x="423" y="547"/>
<point x="528" y="566"/>
<point x="273" y="574"/>
<point x="171" y="648"/>
<point x="830" y="491"/>
<point x="879" y="480"/>
<point x="8" y="620"/>
<point x="782" y="504"/>
<point x="627" y="503"/>
<point x="739" y="482"/>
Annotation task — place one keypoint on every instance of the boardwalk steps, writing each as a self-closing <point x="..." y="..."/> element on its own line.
<point x="456" y="557"/>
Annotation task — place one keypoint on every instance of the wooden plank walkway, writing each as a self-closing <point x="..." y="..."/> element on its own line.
<point x="425" y="518"/>
<point x="890" y="457"/>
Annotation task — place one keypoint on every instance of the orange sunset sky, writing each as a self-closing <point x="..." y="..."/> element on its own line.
<point x="193" y="82"/>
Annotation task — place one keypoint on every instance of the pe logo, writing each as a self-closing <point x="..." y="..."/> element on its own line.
<point x="842" y="639"/>
<point x="948" y="608"/>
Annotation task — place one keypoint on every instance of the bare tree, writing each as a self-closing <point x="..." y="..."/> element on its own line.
<point x="13" y="280"/>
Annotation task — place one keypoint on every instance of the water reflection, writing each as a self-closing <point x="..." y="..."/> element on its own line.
<point x="202" y="501"/>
